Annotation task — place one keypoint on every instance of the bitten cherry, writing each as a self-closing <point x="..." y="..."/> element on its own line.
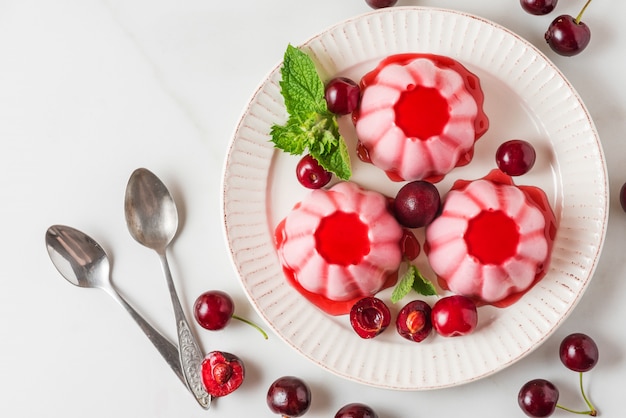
<point x="369" y="317"/>
<point x="221" y="373"/>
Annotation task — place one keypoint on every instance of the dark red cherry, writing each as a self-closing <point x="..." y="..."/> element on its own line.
<point x="289" y="396"/>
<point x="379" y="4"/>
<point x="578" y="352"/>
<point x="567" y="36"/>
<point x="342" y="95"/>
<point x="311" y="174"/>
<point x="538" y="7"/>
<point x="356" y="410"/>
<point x="538" y="398"/>
<point x="515" y="157"/>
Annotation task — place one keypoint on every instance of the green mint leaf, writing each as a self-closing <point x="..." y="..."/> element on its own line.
<point x="405" y="284"/>
<point x="422" y="285"/>
<point x="289" y="137"/>
<point x="332" y="153"/>
<point x="301" y="86"/>
<point x="310" y="125"/>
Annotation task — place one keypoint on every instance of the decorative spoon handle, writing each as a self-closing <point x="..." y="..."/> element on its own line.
<point x="188" y="348"/>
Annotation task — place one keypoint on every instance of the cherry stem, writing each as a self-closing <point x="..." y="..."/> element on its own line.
<point x="252" y="324"/>
<point x="582" y="11"/>
<point x="592" y="410"/>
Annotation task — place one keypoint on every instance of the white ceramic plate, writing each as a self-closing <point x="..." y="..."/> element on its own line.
<point x="525" y="97"/>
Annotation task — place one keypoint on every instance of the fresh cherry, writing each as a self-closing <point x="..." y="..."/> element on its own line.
<point x="568" y="36"/>
<point x="221" y="373"/>
<point x="369" y="317"/>
<point x="416" y="204"/>
<point x="578" y="352"/>
<point x="454" y="316"/>
<point x="342" y="95"/>
<point x="379" y="4"/>
<point x="311" y="174"/>
<point x="414" y="322"/>
<point x="289" y="396"/>
<point x="515" y="157"/>
<point x="356" y="410"/>
<point x="538" y="7"/>
<point x="538" y="398"/>
<point x="214" y="309"/>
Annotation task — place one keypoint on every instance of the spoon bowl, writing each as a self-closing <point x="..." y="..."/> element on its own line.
<point x="151" y="213"/>
<point x="79" y="258"/>
<point x="84" y="263"/>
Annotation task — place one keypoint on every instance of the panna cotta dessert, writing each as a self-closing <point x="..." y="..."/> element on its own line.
<point x="419" y="116"/>
<point x="493" y="239"/>
<point x="339" y="245"/>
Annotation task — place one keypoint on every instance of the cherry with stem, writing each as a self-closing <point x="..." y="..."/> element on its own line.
<point x="567" y="35"/>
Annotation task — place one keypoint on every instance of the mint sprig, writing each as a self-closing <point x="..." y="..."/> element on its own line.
<point x="311" y="126"/>
<point x="412" y="279"/>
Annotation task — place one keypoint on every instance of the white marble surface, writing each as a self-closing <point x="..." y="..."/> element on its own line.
<point x="92" y="89"/>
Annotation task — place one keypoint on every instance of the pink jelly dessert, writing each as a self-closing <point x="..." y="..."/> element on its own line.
<point x="493" y="239"/>
<point x="339" y="245"/>
<point x="419" y="116"/>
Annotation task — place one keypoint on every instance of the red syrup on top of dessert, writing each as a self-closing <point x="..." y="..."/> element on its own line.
<point x="518" y="238"/>
<point x="419" y="116"/>
<point x="339" y="245"/>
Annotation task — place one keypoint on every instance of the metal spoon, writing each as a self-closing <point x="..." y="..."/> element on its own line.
<point x="83" y="262"/>
<point x="152" y="219"/>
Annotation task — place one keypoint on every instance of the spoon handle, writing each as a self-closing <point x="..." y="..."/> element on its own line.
<point x="162" y="344"/>
<point x="190" y="355"/>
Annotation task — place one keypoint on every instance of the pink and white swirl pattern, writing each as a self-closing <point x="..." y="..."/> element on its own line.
<point x="388" y="145"/>
<point x="464" y="273"/>
<point x="299" y="252"/>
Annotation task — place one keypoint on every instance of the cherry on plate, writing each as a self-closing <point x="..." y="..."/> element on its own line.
<point x="311" y="174"/>
<point x="369" y="317"/>
<point x="416" y="204"/>
<point x="454" y="316"/>
<point x="414" y="321"/>
<point x="515" y="157"/>
<point x="342" y="95"/>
